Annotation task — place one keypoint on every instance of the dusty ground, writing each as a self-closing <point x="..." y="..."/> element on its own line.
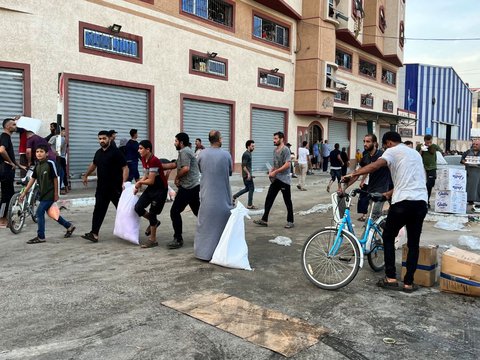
<point x="72" y="299"/>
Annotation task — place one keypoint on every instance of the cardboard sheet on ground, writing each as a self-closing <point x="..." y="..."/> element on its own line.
<point x="264" y="327"/>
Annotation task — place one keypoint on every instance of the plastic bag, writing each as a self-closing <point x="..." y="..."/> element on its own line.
<point x="401" y="238"/>
<point x="232" y="249"/>
<point x="54" y="211"/>
<point x="281" y="240"/>
<point x="472" y="242"/>
<point x="127" y="222"/>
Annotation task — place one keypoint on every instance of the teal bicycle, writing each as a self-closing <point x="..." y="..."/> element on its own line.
<point x="332" y="256"/>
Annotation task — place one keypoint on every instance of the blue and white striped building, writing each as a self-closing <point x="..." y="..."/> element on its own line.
<point x="442" y="101"/>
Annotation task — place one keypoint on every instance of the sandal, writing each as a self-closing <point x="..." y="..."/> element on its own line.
<point x="149" y="244"/>
<point x="148" y="232"/>
<point x="260" y="222"/>
<point x="252" y="207"/>
<point x="410" y="288"/>
<point x="69" y="232"/>
<point x="384" y="283"/>
<point x="362" y="218"/>
<point x="90" y="236"/>
<point x="35" y="240"/>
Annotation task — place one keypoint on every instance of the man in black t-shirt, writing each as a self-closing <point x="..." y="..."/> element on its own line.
<point x="247" y="175"/>
<point x="336" y="164"/>
<point x="7" y="167"/>
<point x="112" y="172"/>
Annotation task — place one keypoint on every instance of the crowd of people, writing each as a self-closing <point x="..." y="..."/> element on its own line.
<point x="404" y="175"/>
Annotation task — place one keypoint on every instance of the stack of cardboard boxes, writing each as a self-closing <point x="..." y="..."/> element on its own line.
<point x="450" y="191"/>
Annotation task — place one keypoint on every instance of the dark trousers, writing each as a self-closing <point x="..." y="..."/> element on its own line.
<point x="155" y="197"/>
<point x="6" y="185"/>
<point x="63" y="167"/>
<point x="431" y="177"/>
<point x="325" y="163"/>
<point x="249" y="187"/>
<point x="409" y="213"/>
<point x="183" y="198"/>
<point x="363" y="202"/>
<point x="273" y="190"/>
<point x="24" y="162"/>
<point x="133" y="170"/>
<point x="102" y="200"/>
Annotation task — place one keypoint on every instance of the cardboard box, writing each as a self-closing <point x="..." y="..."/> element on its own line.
<point x="447" y="201"/>
<point x="452" y="179"/>
<point x="460" y="272"/>
<point x="427" y="266"/>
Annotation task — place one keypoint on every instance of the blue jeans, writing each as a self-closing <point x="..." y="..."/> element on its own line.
<point x="250" y="188"/>
<point x="43" y="207"/>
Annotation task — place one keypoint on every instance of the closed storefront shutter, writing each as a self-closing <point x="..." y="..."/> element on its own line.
<point x="264" y="124"/>
<point x="199" y="117"/>
<point x="93" y="107"/>
<point x="11" y="98"/>
<point x="338" y="133"/>
<point x="362" y="130"/>
<point x="383" y="130"/>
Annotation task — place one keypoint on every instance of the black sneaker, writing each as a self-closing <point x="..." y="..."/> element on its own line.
<point x="175" y="243"/>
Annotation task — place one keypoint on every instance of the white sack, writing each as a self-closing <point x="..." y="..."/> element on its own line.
<point x="232" y="249"/>
<point x="29" y="124"/>
<point x="127" y="222"/>
<point x="440" y="159"/>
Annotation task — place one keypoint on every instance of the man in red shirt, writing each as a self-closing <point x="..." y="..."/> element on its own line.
<point x="156" y="193"/>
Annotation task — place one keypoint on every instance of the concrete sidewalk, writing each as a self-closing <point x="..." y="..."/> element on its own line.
<point x="73" y="299"/>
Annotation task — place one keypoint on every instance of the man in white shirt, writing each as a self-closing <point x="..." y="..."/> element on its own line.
<point x="409" y="205"/>
<point x="303" y="158"/>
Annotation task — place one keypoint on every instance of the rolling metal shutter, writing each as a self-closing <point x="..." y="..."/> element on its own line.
<point x="93" y="107"/>
<point x="264" y="124"/>
<point x="338" y="133"/>
<point x="199" y="117"/>
<point x="11" y="97"/>
<point x="362" y="130"/>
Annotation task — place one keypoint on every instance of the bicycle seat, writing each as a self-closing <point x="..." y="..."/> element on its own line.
<point x="376" y="197"/>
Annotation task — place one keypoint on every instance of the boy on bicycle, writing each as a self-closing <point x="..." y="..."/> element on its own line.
<point x="45" y="174"/>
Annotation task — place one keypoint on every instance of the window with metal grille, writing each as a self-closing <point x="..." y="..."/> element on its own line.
<point x="388" y="105"/>
<point x="343" y="59"/>
<point x="367" y="68"/>
<point x="366" y="101"/>
<point x="389" y="77"/>
<point x="270" y="31"/>
<point x="267" y="79"/>
<point x="341" y="96"/>
<point x="217" y="11"/>
<point x="206" y="65"/>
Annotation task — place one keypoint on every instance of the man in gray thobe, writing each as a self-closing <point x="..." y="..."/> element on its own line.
<point x="215" y="196"/>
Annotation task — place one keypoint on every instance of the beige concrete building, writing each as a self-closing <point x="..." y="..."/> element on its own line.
<point x="312" y="69"/>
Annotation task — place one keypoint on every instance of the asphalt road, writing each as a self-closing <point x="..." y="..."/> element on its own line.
<point x="72" y="299"/>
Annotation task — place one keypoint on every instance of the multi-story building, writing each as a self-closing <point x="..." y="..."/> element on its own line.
<point x="323" y="69"/>
<point x="442" y="102"/>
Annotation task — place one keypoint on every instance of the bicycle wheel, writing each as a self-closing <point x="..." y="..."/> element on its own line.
<point x="376" y="258"/>
<point x="16" y="215"/>
<point x="330" y="272"/>
<point x="34" y="204"/>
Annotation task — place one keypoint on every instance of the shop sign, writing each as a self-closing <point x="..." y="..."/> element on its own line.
<point x="405" y="132"/>
<point x="110" y="43"/>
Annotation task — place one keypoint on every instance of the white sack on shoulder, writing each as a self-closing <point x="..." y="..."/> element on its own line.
<point x="232" y="249"/>
<point x="127" y="222"/>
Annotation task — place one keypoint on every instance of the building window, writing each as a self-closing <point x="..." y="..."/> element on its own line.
<point x="216" y="11"/>
<point x="366" y="101"/>
<point x="389" y="77"/>
<point x="331" y="9"/>
<point x="478" y="118"/>
<point x="329" y="81"/>
<point x="401" y="36"/>
<point x="357" y="9"/>
<point x="341" y="96"/>
<point x="206" y="65"/>
<point x="343" y="60"/>
<point x="367" y="68"/>
<point x="382" y="20"/>
<point x="270" y="31"/>
<point x="271" y="79"/>
<point x="387" y="105"/>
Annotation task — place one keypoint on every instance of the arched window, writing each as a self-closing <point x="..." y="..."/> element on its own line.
<point x="382" y="20"/>
<point x="401" y="35"/>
